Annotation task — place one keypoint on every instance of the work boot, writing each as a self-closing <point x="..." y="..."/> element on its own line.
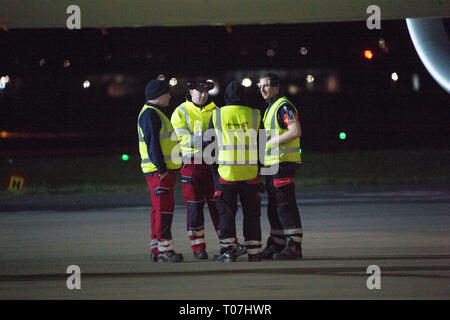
<point x="154" y="257"/>
<point x="292" y="251"/>
<point x="201" y="255"/>
<point x="240" y="250"/>
<point x="270" y="249"/>
<point x="227" y="255"/>
<point x="170" y="256"/>
<point x="254" y="257"/>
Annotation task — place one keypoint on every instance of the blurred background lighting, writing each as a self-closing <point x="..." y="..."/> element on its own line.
<point x="3" y="81"/>
<point x="368" y="54"/>
<point x="66" y="63"/>
<point x="86" y="84"/>
<point x="214" y="91"/>
<point x="382" y="44"/>
<point x="303" y="50"/>
<point x="161" y="77"/>
<point x="173" y="82"/>
<point x="125" y="157"/>
<point x="416" y="82"/>
<point x="293" y="89"/>
<point x="309" y="78"/>
<point x="270" y="52"/>
<point x="394" y="76"/>
<point x="332" y="84"/>
<point x="342" y="135"/>
<point x="246" y="82"/>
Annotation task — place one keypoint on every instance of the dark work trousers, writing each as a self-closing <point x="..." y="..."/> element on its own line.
<point x="282" y="210"/>
<point x="227" y="193"/>
<point x="198" y="187"/>
<point x="162" y="195"/>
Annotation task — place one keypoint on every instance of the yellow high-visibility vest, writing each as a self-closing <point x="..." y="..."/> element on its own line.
<point x="286" y="152"/>
<point x="189" y="123"/>
<point x="236" y="130"/>
<point x="169" y="145"/>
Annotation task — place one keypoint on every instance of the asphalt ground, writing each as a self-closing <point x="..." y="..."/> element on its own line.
<point x="404" y="231"/>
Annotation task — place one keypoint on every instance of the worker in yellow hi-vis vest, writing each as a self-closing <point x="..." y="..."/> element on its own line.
<point x="190" y="120"/>
<point x="160" y="155"/>
<point x="236" y="131"/>
<point x="283" y="131"/>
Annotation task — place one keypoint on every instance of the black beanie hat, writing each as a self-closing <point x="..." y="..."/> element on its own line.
<point x="234" y="94"/>
<point x="155" y="89"/>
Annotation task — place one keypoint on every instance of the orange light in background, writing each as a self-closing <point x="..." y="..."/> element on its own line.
<point x="368" y="54"/>
<point x="4" y="134"/>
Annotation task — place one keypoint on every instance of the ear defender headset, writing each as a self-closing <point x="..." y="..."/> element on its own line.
<point x="200" y="86"/>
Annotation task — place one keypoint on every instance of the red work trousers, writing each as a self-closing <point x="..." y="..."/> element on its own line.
<point x="198" y="187"/>
<point x="162" y="195"/>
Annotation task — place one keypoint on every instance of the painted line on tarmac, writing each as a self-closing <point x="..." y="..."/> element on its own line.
<point x="355" y="271"/>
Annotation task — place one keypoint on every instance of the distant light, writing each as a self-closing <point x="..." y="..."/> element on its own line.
<point x="416" y="82"/>
<point x="3" y="81"/>
<point x="86" y="84"/>
<point x="5" y="27"/>
<point x="303" y="51"/>
<point x="342" y="135"/>
<point x="4" y="134"/>
<point x="173" y="82"/>
<point x="246" y="82"/>
<point x="161" y="77"/>
<point x="125" y="157"/>
<point x="66" y="63"/>
<point x="214" y="91"/>
<point x="300" y="150"/>
<point x="42" y="62"/>
<point x="332" y="84"/>
<point x="229" y="28"/>
<point x="10" y="161"/>
<point x="309" y="78"/>
<point x="368" y="54"/>
<point x="382" y="45"/>
<point x="394" y="76"/>
<point x="293" y="89"/>
<point x="270" y="52"/>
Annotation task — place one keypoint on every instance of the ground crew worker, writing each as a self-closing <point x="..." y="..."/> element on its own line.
<point x="190" y="120"/>
<point x="236" y="127"/>
<point x="160" y="156"/>
<point x="283" y="133"/>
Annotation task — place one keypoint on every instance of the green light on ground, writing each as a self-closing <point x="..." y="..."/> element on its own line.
<point x="125" y="157"/>
<point x="342" y="135"/>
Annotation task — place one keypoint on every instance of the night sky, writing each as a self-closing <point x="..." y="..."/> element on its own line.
<point x="45" y="97"/>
